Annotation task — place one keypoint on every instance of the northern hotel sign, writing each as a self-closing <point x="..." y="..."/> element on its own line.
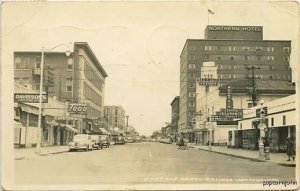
<point x="236" y="28"/>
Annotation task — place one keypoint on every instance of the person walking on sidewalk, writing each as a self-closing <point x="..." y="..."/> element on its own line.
<point x="290" y="149"/>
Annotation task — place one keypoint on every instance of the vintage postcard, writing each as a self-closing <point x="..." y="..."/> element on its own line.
<point x="149" y="95"/>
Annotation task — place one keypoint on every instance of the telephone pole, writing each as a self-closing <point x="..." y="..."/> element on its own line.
<point x="254" y="95"/>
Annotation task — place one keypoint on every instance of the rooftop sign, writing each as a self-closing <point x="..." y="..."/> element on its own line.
<point x="236" y="28"/>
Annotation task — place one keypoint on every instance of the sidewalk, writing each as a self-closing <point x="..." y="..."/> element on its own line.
<point x="22" y="153"/>
<point x="279" y="158"/>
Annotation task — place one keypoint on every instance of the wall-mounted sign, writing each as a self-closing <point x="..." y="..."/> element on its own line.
<point x="227" y="115"/>
<point x="229" y="101"/>
<point x="30" y="98"/>
<point x="78" y="108"/>
<point x="66" y="118"/>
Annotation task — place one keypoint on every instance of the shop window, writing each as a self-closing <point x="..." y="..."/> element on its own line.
<point x="45" y="134"/>
<point x="17" y="63"/>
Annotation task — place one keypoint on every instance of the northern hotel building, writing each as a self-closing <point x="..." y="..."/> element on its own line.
<point x="234" y="49"/>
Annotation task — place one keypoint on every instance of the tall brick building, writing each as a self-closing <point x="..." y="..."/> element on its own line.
<point x="234" y="49"/>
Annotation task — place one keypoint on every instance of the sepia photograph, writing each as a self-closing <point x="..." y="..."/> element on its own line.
<point x="149" y="95"/>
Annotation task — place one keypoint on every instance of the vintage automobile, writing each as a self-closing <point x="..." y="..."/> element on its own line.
<point x="81" y="142"/>
<point x="129" y="140"/>
<point x="97" y="142"/>
<point x="120" y="140"/>
<point x="105" y="140"/>
<point x="138" y="140"/>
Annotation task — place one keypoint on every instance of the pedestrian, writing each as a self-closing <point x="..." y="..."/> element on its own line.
<point x="290" y="149"/>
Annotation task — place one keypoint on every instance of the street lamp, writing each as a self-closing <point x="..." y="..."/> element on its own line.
<point x="261" y="130"/>
<point x="68" y="53"/>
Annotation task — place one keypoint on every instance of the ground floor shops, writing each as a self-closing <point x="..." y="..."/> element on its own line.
<point x="249" y="138"/>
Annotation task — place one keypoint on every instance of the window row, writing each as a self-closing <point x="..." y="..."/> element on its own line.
<point x="91" y="95"/>
<point x="242" y="48"/>
<point x="241" y="57"/>
<point x="26" y="62"/>
<point x="92" y="76"/>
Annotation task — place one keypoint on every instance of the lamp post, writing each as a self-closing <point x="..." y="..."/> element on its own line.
<point x="262" y="127"/>
<point x="68" y="53"/>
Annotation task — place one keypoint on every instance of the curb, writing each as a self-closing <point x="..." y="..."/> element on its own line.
<point x="42" y="154"/>
<point x="243" y="157"/>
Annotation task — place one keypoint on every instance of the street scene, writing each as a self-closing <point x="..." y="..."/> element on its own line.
<point x="122" y="93"/>
<point x="144" y="163"/>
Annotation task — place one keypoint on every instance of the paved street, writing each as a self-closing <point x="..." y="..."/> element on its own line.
<point x="142" y="163"/>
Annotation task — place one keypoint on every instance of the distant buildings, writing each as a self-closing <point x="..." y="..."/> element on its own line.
<point x="115" y="116"/>
<point x="175" y="115"/>
<point x="233" y="49"/>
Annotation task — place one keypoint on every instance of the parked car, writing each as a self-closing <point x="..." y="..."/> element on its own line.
<point x="120" y="140"/>
<point x="97" y="143"/>
<point x="129" y="140"/>
<point x="138" y="140"/>
<point x="105" y="140"/>
<point x="81" y="142"/>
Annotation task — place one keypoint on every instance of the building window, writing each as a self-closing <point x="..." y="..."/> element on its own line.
<point x="26" y="62"/>
<point x="206" y="56"/>
<point x="246" y="48"/>
<point x="69" y="84"/>
<point x="271" y="77"/>
<point x="38" y="62"/>
<point x="231" y="57"/>
<point x="17" y="80"/>
<point x="192" y="94"/>
<point x="192" y="76"/>
<point x="25" y="80"/>
<point x="270" y="49"/>
<point x="285" y="58"/>
<point x="284" y="120"/>
<point x="116" y="112"/>
<point x="270" y="57"/>
<point x="37" y="86"/>
<point x="192" y="85"/>
<point x="191" y="104"/>
<point x="249" y="105"/>
<point x="192" y="66"/>
<point x="286" y="49"/>
<point x="271" y="67"/>
<point x="207" y="48"/>
<point x="17" y="63"/>
<point x="70" y="64"/>
<point x="258" y="48"/>
<point x="231" y="48"/>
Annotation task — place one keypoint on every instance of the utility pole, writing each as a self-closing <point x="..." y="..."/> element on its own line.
<point x="254" y="96"/>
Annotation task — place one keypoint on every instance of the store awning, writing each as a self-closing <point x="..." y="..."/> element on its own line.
<point x="96" y="130"/>
<point x="200" y="129"/>
<point x="104" y="131"/>
<point x="70" y="128"/>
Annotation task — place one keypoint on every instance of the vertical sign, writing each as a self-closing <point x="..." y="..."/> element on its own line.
<point x="229" y="102"/>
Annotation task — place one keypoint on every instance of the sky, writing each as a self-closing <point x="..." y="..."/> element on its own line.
<point x="137" y="43"/>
